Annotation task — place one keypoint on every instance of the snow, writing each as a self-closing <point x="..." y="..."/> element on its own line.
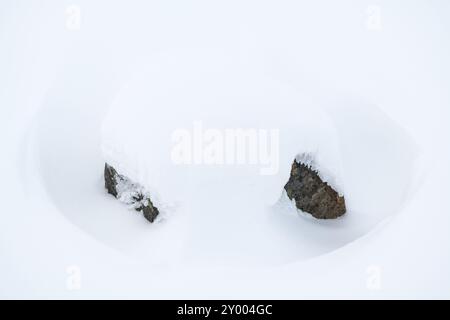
<point x="130" y="193"/>
<point x="371" y="105"/>
<point x="226" y="94"/>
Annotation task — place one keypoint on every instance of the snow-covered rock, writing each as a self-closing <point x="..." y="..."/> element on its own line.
<point x="130" y="193"/>
<point x="311" y="194"/>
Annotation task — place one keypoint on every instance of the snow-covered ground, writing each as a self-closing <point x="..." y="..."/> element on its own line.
<point x="361" y="85"/>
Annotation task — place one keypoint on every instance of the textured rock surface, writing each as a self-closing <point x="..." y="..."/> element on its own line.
<point x="110" y="180"/>
<point x="129" y="193"/>
<point x="312" y="195"/>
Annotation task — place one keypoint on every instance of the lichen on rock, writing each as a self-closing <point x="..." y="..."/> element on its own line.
<point x="130" y="193"/>
<point x="313" y="195"/>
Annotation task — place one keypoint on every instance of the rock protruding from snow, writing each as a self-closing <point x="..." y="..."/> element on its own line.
<point x="312" y="195"/>
<point x="130" y="193"/>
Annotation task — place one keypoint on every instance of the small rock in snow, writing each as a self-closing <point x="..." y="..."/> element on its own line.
<point x="312" y="195"/>
<point x="129" y="193"/>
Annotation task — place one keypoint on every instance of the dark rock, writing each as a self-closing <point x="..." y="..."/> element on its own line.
<point x="150" y="212"/>
<point x="313" y="195"/>
<point x="110" y="180"/>
<point x="130" y="193"/>
<point x="146" y="206"/>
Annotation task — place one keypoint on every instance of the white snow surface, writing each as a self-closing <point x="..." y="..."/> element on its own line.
<point x="371" y="104"/>
<point x="220" y="92"/>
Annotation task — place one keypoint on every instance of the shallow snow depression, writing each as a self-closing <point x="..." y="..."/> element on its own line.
<point x="58" y="85"/>
<point x="194" y="118"/>
<point x="213" y="138"/>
